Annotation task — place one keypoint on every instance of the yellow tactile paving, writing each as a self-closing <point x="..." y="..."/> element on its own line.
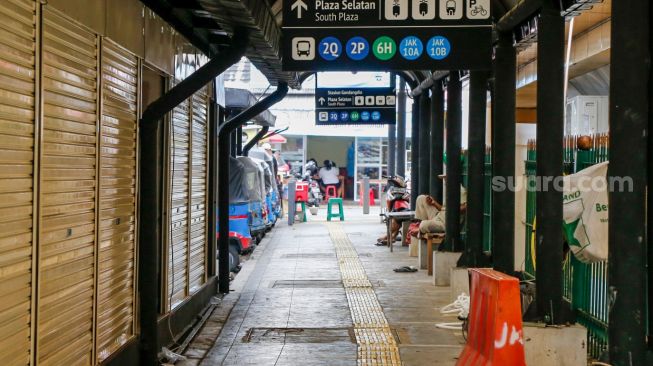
<point x="376" y="344"/>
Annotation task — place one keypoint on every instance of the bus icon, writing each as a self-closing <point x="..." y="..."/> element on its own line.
<point x="303" y="48"/>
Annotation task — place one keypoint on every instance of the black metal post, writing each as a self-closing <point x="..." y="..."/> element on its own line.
<point x="215" y="118"/>
<point x="649" y="215"/>
<point x="150" y="238"/>
<point x="649" y="210"/>
<point x="239" y="141"/>
<point x="550" y="131"/>
<point x="437" y="141"/>
<point x="392" y="149"/>
<point x="629" y="119"/>
<point x="454" y="165"/>
<point x="424" y="139"/>
<point x="250" y="144"/>
<point x="503" y="155"/>
<point x="473" y="254"/>
<point x="151" y="189"/>
<point x="401" y="129"/>
<point x="414" y="154"/>
<point x="233" y="145"/>
<point x="224" y="134"/>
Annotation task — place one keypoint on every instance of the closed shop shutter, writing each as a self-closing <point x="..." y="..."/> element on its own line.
<point x="179" y="229"/>
<point x="68" y="193"/>
<point x="198" y="191"/>
<point x="117" y="199"/>
<point x="17" y="105"/>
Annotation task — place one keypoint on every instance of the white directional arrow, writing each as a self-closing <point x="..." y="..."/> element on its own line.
<point x="321" y="101"/>
<point x="299" y="4"/>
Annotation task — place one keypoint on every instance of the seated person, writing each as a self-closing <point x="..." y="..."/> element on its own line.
<point x="433" y="215"/>
<point x="329" y="175"/>
<point x="430" y="214"/>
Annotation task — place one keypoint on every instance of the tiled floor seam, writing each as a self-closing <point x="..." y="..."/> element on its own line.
<point x="376" y="343"/>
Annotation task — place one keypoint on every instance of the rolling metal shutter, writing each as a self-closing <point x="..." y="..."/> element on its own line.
<point x="17" y="111"/>
<point x="199" y="146"/>
<point x="179" y="229"/>
<point x="69" y="156"/>
<point x="117" y="199"/>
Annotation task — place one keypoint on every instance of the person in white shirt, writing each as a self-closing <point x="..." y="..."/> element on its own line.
<point x="329" y="175"/>
<point x="433" y="214"/>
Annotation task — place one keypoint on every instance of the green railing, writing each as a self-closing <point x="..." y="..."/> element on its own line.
<point x="487" y="203"/>
<point x="585" y="286"/>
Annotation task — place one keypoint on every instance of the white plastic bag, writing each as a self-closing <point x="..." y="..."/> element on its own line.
<point x="585" y="213"/>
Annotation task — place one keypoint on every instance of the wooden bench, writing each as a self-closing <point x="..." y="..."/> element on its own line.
<point x="433" y="240"/>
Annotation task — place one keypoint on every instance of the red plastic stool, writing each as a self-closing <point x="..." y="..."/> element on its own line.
<point x="331" y="192"/>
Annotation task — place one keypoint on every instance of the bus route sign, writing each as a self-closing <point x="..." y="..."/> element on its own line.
<point x="360" y="35"/>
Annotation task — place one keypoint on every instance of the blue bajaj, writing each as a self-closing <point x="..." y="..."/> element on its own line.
<point x="271" y="217"/>
<point x="254" y="187"/>
<point x="271" y="187"/>
<point x="240" y="240"/>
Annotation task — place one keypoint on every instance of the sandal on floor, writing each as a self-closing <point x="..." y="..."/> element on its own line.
<point x="406" y="269"/>
<point x="381" y="243"/>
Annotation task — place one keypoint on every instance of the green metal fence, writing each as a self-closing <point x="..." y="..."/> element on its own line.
<point x="585" y="286"/>
<point x="487" y="203"/>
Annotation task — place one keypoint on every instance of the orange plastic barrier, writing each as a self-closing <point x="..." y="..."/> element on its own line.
<point x="495" y="334"/>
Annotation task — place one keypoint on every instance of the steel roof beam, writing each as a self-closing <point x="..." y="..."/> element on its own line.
<point x="428" y="83"/>
<point x="518" y="14"/>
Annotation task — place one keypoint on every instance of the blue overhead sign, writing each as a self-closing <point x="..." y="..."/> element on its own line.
<point x="346" y="99"/>
<point x="386" y="35"/>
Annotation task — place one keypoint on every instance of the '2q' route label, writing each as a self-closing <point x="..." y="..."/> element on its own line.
<point x="330" y="48"/>
<point x="438" y="47"/>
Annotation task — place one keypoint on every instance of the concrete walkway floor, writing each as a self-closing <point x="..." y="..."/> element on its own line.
<point x="298" y="301"/>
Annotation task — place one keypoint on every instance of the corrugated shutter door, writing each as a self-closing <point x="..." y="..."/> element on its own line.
<point x="179" y="233"/>
<point x="198" y="192"/>
<point x="68" y="193"/>
<point x="117" y="199"/>
<point x="17" y="102"/>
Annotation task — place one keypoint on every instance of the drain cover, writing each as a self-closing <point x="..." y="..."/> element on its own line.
<point x="299" y="335"/>
<point x="309" y="255"/>
<point x="318" y="255"/>
<point x="316" y="284"/>
<point x="311" y="235"/>
<point x="307" y="284"/>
